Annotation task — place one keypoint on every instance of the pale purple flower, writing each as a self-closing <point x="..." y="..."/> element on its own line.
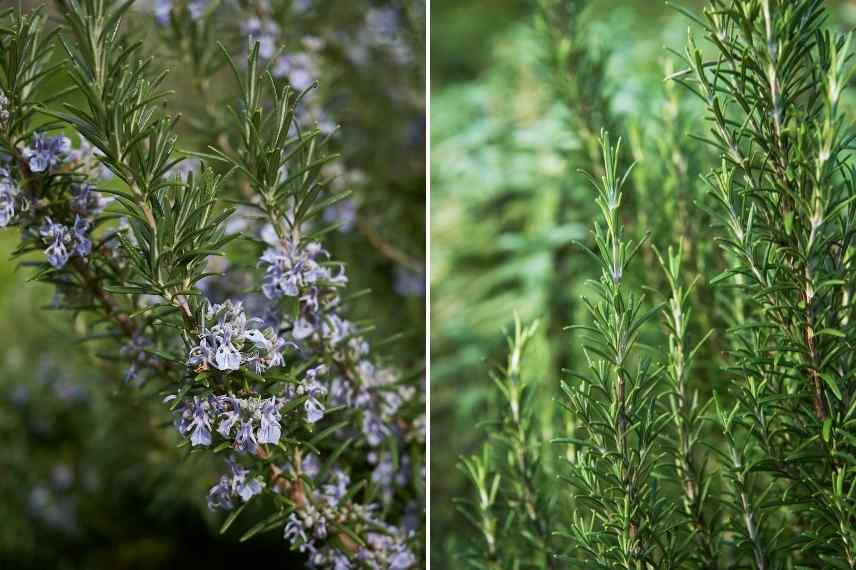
<point x="82" y="246"/>
<point x="314" y="410"/>
<point x="57" y="252"/>
<point x="162" y="10"/>
<point x="199" y="423"/>
<point x="269" y="428"/>
<point x="249" y="488"/>
<point x="228" y="343"/>
<point x="235" y="484"/>
<point x="85" y="200"/>
<point x="246" y="439"/>
<point x="291" y="268"/>
<point x="402" y="559"/>
<point x="46" y="152"/>
<point x="298" y="68"/>
<point x="196" y="8"/>
<point x="228" y="418"/>
<point x="409" y="283"/>
<point x="8" y="191"/>
<point x="340" y="561"/>
<point x="227" y="356"/>
<point x="220" y="495"/>
<point x="200" y="353"/>
<point x="266" y="32"/>
<point x="314" y="390"/>
<point x="374" y="429"/>
<point x="294" y="529"/>
<point x="311" y="465"/>
<point x="302" y="328"/>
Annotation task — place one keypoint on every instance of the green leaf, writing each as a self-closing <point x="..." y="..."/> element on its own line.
<point x="833" y="385"/>
<point x="231" y="518"/>
<point x="827" y="428"/>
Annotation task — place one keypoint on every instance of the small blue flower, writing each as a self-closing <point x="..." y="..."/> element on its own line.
<point x="249" y="488"/>
<point x="85" y="200"/>
<point x="82" y="246"/>
<point x="298" y="68"/>
<point x="57" y="252"/>
<point x="302" y="328"/>
<point x="374" y="429"/>
<point x="246" y="439"/>
<point x="228" y="418"/>
<point x="162" y="10"/>
<point x="196" y="8"/>
<point x="294" y="529"/>
<point x="199" y="423"/>
<point x="409" y="283"/>
<point x="200" y="354"/>
<point x="227" y="356"/>
<point x="344" y="213"/>
<point x="8" y="190"/>
<point x="314" y="390"/>
<point x="220" y="495"/>
<point x="311" y="465"/>
<point x="4" y="109"/>
<point x="46" y="152"/>
<point x="266" y="32"/>
<point x="269" y="429"/>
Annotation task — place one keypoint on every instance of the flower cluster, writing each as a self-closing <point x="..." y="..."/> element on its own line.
<point x="387" y="475"/>
<point x="326" y="507"/>
<point x="248" y="422"/>
<point x="228" y="341"/>
<point x="61" y="240"/>
<point x="382" y="30"/>
<point x="300" y="68"/>
<point x="237" y="484"/>
<point x="46" y="152"/>
<point x="293" y="269"/>
<point x="66" y="241"/>
<point x="251" y="421"/>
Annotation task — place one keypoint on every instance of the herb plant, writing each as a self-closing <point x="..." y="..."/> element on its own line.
<point x="721" y="438"/>
<point x="146" y="245"/>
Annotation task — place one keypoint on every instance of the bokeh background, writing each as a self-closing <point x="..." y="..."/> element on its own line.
<point x="507" y="201"/>
<point x="90" y="475"/>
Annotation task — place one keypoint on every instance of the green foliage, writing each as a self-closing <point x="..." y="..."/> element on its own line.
<point x="723" y="439"/>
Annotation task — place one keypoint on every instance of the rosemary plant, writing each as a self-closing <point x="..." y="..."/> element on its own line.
<point x="509" y="504"/>
<point x="278" y="382"/>
<point x="785" y="189"/>
<point x="722" y="440"/>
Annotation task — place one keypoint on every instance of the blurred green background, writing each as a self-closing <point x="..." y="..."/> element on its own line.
<point x="504" y="159"/>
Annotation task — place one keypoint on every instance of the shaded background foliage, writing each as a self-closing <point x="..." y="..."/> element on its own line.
<point x="507" y="200"/>
<point x="89" y="476"/>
